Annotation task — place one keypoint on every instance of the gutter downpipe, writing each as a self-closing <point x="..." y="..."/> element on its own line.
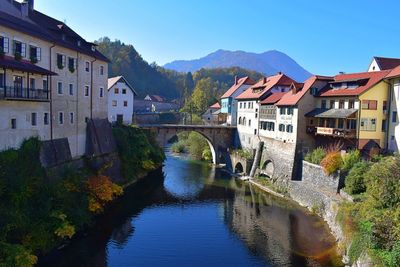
<point x="389" y="105"/>
<point x="91" y="88"/>
<point x="50" y="85"/>
<point x="77" y="102"/>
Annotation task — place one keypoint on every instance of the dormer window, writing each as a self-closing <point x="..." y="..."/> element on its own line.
<point x="79" y="42"/>
<point x="93" y="48"/>
<point x="63" y="37"/>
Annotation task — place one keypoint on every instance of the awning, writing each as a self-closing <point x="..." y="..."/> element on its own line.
<point x="331" y="113"/>
<point x="23" y="65"/>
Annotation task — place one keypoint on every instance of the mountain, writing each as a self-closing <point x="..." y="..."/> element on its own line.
<point x="268" y="63"/>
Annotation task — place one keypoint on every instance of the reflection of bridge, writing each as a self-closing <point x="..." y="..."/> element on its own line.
<point x="220" y="138"/>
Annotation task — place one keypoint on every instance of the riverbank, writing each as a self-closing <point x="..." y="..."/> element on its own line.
<point x="41" y="211"/>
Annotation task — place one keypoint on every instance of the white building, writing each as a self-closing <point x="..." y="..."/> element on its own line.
<point x="249" y="103"/>
<point x="383" y="63"/>
<point x="121" y="96"/>
<point x="394" y="123"/>
<point x="51" y="80"/>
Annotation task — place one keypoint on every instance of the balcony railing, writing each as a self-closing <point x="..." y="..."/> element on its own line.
<point x="18" y="93"/>
<point x="336" y="132"/>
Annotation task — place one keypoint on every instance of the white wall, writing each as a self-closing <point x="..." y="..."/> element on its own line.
<point x="127" y="111"/>
<point x="394" y="127"/>
<point x="248" y="133"/>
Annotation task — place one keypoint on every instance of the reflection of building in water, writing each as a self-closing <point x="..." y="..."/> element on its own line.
<point x="277" y="233"/>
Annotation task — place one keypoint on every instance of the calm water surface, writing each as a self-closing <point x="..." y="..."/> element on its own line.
<point x="190" y="214"/>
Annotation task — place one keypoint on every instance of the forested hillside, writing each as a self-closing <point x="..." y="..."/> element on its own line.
<point x="152" y="79"/>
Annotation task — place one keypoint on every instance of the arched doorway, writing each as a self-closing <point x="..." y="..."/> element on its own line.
<point x="268" y="168"/>
<point x="238" y="168"/>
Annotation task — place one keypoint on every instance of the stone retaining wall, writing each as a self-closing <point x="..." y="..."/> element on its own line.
<point x="315" y="176"/>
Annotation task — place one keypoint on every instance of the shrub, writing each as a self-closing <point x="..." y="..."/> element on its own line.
<point x="315" y="156"/>
<point x="350" y="159"/>
<point x="354" y="182"/>
<point x="178" y="147"/>
<point x="197" y="144"/>
<point x="207" y="155"/>
<point x="332" y="162"/>
<point x="101" y="191"/>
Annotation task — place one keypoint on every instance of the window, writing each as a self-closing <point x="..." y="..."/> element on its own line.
<point x="61" y="61"/>
<point x="34" y="119"/>
<point x="35" y="53"/>
<point x="61" y="118"/>
<point x="369" y="104"/>
<point x="32" y="83"/>
<point x="86" y="90"/>
<point x="46" y="118"/>
<point x="313" y="91"/>
<point x="351" y="124"/>
<point x="290" y="111"/>
<point x="87" y="66"/>
<point x="125" y="103"/>
<point x="71" y="89"/>
<point x="383" y="126"/>
<point x="323" y="104"/>
<point x="332" y="104"/>
<point x="384" y="106"/>
<point x="114" y="103"/>
<point x="240" y="120"/>
<point x="368" y="124"/>
<point x="340" y="123"/>
<point x="71" y="117"/>
<point x="60" y="88"/>
<point x="71" y="64"/>
<point x="255" y="131"/>
<point x="394" y="117"/>
<point x="19" y="49"/>
<point x="282" y="111"/>
<point x="4" y="44"/>
<point x="240" y="105"/>
<point x="341" y="104"/>
<point x="289" y="128"/>
<point x="2" y="80"/>
<point x="13" y="123"/>
<point x="45" y="85"/>
<point x="124" y="91"/>
<point x="116" y="91"/>
<point x="256" y="113"/>
<point x="249" y="123"/>
<point x="281" y="127"/>
<point x="351" y="103"/>
<point x="101" y="92"/>
<point x="101" y="70"/>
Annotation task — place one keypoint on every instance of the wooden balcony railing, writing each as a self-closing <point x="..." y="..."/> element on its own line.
<point x="336" y="132"/>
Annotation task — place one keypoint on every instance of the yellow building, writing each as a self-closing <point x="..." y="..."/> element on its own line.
<point x="352" y="110"/>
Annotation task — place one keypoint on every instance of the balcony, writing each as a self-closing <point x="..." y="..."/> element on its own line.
<point x="335" y="132"/>
<point x="24" y="94"/>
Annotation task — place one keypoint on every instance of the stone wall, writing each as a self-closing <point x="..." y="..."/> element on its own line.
<point x="315" y="176"/>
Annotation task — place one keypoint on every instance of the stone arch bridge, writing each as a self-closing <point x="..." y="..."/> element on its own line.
<point x="220" y="138"/>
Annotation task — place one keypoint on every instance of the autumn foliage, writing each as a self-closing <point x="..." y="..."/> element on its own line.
<point x="332" y="162"/>
<point x="101" y="191"/>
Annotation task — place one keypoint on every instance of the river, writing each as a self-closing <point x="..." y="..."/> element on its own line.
<point x="191" y="214"/>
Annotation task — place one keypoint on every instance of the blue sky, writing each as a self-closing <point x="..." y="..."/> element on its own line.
<point x="325" y="37"/>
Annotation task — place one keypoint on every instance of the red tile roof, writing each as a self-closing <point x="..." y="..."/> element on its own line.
<point x="386" y="63"/>
<point x="290" y="98"/>
<point x="216" y="105"/>
<point x="264" y="85"/>
<point x="371" y="78"/>
<point x="394" y="72"/>
<point x="245" y="80"/>
<point x="272" y="99"/>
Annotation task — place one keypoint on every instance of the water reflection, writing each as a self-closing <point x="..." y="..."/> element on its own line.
<point x="195" y="215"/>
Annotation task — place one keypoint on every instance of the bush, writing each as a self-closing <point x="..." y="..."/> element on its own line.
<point x="244" y="153"/>
<point x="178" y="147"/>
<point x="332" y="162"/>
<point x="350" y="159"/>
<point x="315" y="156"/>
<point x="354" y="182"/>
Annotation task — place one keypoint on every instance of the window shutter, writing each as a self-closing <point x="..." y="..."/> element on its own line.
<point x="364" y="104"/>
<point x="64" y="58"/>
<point x="6" y="45"/>
<point x="38" y="53"/>
<point x="23" y="50"/>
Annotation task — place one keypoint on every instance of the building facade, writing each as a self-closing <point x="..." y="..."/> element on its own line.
<point x="249" y="105"/>
<point x="121" y="97"/>
<point x="229" y="104"/>
<point x="53" y="80"/>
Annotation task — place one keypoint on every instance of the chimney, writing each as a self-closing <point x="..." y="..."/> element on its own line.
<point x="264" y="79"/>
<point x="342" y="72"/>
<point x="280" y="72"/>
<point x="26" y="7"/>
<point x="236" y="79"/>
<point x="31" y="4"/>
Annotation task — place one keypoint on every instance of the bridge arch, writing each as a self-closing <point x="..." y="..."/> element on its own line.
<point x="219" y="138"/>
